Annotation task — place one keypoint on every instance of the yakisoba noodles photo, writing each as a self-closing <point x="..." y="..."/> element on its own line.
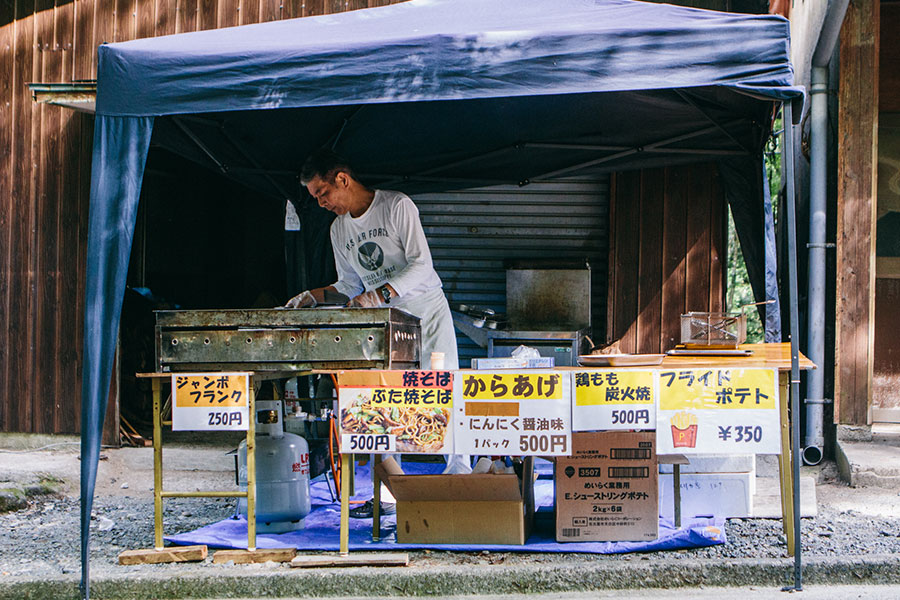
<point x="418" y="428"/>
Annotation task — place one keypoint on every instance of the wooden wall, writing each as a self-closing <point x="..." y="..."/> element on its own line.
<point x="857" y="185"/>
<point x="45" y="156"/>
<point x="667" y="253"/>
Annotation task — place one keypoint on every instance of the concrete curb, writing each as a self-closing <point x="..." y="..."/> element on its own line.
<point x="580" y="575"/>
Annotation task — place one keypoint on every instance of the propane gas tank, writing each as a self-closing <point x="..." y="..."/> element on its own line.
<point x="282" y="473"/>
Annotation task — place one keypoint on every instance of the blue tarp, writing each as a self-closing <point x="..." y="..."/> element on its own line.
<point x="429" y="95"/>
<point x="320" y="531"/>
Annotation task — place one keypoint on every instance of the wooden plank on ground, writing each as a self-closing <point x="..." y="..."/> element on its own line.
<point x="260" y="555"/>
<point x="152" y="556"/>
<point x="355" y="559"/>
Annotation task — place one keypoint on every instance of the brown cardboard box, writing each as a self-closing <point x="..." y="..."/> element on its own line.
<point x="458" y="509"/>
<point x="607" y="490"/>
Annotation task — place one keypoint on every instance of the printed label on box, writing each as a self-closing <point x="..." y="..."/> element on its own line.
<point x="718" y="411"/>
<point x="397" y="411"/>
<point x="614" y="399"/>
<point x="513" y="413"/>
<point x="607" y="490"/>
<point x="210" y="401"/>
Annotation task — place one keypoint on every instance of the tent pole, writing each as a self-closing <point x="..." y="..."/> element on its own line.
<point x="199" y="143"/>
<point x="629" y="152"/>
<point x="686" y="98"/>
<point x="256" y="164"/>
<point x="787" y="172"/>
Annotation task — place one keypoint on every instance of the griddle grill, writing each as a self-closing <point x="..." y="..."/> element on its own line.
<point x="287" y="340"/>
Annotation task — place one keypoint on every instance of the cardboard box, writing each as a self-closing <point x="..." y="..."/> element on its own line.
<point x="459" y="509"/>
<point x="544" y="362"/>
<point x="607" y="490"/>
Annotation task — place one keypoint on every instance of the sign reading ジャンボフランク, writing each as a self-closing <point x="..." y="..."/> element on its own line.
<point x="210" y="401"/>
<point x="614" y="399"/>
<point x="720" y="411"/>
<point x="510" y="413"/>
<point x="396" y="411"/>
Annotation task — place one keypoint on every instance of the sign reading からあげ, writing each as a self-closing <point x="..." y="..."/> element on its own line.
<point x="512" y="413"/>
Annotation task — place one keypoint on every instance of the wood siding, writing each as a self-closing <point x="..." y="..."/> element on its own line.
<point x="45" y="158"/>
<point x="857" y="185"/>
<point x="667" y="249"/>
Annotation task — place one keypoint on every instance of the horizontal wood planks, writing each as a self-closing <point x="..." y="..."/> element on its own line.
<point x="666" y="242"/>
<point x="857" y="171"/>
<point x="45" y="169"/>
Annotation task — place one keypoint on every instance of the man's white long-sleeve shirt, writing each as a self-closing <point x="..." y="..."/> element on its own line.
<point x="386" y="244"/>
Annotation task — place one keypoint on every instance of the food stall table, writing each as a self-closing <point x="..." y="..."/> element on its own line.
<point x="772" y="356"/>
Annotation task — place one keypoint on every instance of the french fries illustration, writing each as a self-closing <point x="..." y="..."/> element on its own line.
<point x="684" y="430"/>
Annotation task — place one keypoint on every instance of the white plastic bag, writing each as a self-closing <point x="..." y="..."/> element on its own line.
<point x="526" y="352"/>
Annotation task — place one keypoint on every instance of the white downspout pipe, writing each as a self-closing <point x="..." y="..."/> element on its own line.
<point x="814" y="439"/>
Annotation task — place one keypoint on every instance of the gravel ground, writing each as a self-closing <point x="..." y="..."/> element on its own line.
<point x="42" y="540"/>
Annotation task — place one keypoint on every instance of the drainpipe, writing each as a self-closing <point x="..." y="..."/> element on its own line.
<point x="814" y="439"/>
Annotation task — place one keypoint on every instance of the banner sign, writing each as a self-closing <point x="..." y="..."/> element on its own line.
<point x="614" y="399"/>
<point x="396" y="411"/>
<point x="718" y="411"/>
<point x="513" y="413"/>
<point x="210" y="401"/>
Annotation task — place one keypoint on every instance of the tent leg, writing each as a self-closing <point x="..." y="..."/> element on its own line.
<point x="787" y="170"/>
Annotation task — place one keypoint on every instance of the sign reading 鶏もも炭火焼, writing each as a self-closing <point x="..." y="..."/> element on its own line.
<point x="614" y="399"/>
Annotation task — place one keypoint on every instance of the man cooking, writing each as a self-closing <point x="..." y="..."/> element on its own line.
<point x="381" y="254"/>
<point x="382" y="258"/>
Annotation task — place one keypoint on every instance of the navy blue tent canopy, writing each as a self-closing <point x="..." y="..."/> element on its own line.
<point x="431" y="95"/>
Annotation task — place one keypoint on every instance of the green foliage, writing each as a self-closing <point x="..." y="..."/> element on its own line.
<point x="737" y="285"/>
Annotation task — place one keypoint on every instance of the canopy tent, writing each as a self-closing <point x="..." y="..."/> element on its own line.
<point x="430" y="95"/>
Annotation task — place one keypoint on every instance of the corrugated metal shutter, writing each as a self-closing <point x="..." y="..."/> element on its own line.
<point x="471" y="232"/>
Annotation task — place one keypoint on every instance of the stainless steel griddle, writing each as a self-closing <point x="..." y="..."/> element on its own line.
<point x="286" y="340"/>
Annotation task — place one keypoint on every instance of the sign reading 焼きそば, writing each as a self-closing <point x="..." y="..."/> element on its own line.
<point x="718" y="411"/>
<point x="614" y="399"/>
<point x="510" y="413"/>
<point x="396" y="411"/>
<point x="211" y="401"/>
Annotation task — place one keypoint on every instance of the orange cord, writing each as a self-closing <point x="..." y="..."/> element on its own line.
<point x="335" y="468"/>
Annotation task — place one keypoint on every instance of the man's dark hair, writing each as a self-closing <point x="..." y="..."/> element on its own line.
<point x="324" y="163"/>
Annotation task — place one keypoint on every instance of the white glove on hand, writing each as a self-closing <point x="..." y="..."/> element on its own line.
<point x="302" y="300"/>
<point x="367" y="300"/>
